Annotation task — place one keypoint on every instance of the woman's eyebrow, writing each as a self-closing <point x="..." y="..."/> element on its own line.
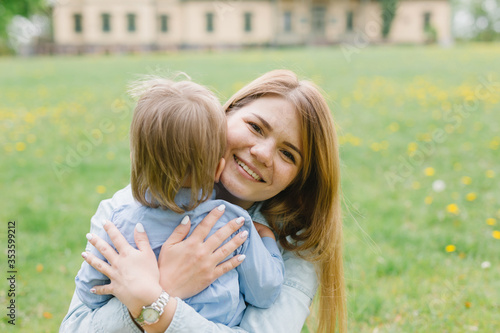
<point x="269" y="128"/>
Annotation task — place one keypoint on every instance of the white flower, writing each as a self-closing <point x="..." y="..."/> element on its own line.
<point x="485" y="264"/>
<point x="438" y="185"/>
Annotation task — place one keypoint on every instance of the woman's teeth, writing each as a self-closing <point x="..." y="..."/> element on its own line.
<point x="247" y="169"/>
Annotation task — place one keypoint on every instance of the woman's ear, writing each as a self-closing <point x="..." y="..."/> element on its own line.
<point x="220" y="167"/>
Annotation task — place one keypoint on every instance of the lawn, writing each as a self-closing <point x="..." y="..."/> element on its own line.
<point x="420" y="144"/>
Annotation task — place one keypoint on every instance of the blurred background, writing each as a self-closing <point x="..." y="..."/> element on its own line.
<point x="414" y="87"/>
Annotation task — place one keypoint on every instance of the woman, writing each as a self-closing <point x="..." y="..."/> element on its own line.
<point x="282" y="165"/>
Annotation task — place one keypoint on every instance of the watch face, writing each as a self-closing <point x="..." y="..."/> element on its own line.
<point x="150" y="315"/>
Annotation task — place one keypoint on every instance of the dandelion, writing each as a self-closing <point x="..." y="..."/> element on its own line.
<point x="490" y="173"/>
<point x="457" y="166"/>
<point x="466" y="180"/>
<point x="438" y="186"/>
<point x="491" y="221"/>
<point x="47" y="315"/>
<point x="39" y="268"/>
<point x="450" y="248"/>
<point x="375" y="146"/>
<point x="101" y="189"/>
<point x="110" y="155"/>
<point x="412" y="147"/>
<point x="453" y="208"/>
<point x="20" y="146"/>
<point x="468" y="304"/>
<point x="429" y="171"/>
<point x="471" y="196"/>
<point x="496" y="234"/>
<point x="485" y="264"/>
<point x="428" y="200"/>
<point x="415" y="185"/>
<point x="394" y="127"/>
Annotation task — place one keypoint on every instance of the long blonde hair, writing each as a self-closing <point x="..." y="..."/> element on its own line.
<point x="308" y="210"/>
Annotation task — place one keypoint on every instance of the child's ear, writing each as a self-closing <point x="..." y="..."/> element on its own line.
<point x="220" y="167"/>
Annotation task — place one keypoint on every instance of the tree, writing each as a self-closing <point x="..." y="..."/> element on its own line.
<point x="388" y="13"/>
<point x="11" y="8"/>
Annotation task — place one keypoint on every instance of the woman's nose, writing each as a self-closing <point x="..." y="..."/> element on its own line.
<point x="263" y="152"/>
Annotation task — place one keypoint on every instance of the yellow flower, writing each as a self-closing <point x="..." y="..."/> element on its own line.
<point x="496" y="234"/>
<point x="491" y="221"/>
<point x="20" y="146"/>
<point x="39" y="268"/>
<point x="466" y="180"/>
<point x="471" y="196"/>
<point x="429" y="171"/>
<point x="47" y="315"/>
<point x="450" y="248"/>
<point x="428" y="200"/>
<point x="412" y="147"/>
<point x="110" y="155"/>
<point x="101" y="189"/>
<point x="453" y="208"/>
<point x="394" y="127"/>
<point x="375" y="146"/>
<point x="457" y="166"/>
<point x="490" y="173"/>
<point x="415" y="185"/>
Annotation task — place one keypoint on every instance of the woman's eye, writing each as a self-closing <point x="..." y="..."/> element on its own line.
<point x="289" y="155"/>
<point x="255" y="127"/>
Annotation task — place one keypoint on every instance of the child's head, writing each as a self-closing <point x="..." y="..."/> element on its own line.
<point x="177" y="138"/>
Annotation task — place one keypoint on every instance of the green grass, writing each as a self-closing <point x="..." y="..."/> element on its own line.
<point x="388" y="104"/>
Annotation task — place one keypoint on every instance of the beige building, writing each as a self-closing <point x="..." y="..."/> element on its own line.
<point x="88" y="26"/>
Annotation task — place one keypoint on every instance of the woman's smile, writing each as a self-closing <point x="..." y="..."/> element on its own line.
<point x="263" y="153"/>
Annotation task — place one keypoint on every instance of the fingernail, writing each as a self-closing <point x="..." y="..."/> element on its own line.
<point x="89" y="236"/>
<point x="84" y="255"/>
<point x="92" y="290"/>
<point x="244" y="234"/>
<point x="241" y="257"/>
<point x="139" y="227"/>
<point x="221" y="208"/>
<point x="185" y="220"/>
<point x="240" y="220"/>
<point x="104" y="222"/>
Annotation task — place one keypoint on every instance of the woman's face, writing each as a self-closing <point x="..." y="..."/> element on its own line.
<point x="264" y="150"/>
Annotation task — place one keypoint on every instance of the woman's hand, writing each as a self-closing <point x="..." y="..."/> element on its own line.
<point x="133" y="273"/>
<point x="187" y="266"/>
<point x="264" y="231"/>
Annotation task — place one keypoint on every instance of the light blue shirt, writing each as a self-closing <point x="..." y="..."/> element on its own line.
<point x="286" y="315"/>
<point x="256" y="281"/>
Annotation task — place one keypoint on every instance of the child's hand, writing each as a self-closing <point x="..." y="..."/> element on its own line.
<point x="263" y="230"/>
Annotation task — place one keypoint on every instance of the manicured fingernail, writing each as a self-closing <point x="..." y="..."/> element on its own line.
<point x="241" y="257"/>
<point x="244" y="234"/>
<point x="104" y="222"/>
<point x="84" y="255"/>
<point x="240" y="220"/>
<point x="221" y="208"/>
<point x="89" y="236"/>
<point x="139" y="227"/>
<point x="185" y="220"/>
<point x="92" y="290"/>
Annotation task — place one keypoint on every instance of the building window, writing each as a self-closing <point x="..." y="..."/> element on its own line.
<point x="349" y="26"/>
<point x="164" y="23"/>
<point x="427" y="21"/>
<point x="78" y="22"/>
<point x="248" y="22"/>
<point x="131" y="22"/>
<point x="210" y="22"/>
<point x="318" y="22"/>
<point x="287" y="21"/>
<point x="106" y="22"/>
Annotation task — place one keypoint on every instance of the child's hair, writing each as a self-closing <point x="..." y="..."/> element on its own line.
<point x="178" y="134"/>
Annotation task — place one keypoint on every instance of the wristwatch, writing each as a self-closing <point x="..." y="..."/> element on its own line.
<point x="150" y="314"/>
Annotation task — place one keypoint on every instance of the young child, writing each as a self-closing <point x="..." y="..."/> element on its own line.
<point x="178" y="138"/>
